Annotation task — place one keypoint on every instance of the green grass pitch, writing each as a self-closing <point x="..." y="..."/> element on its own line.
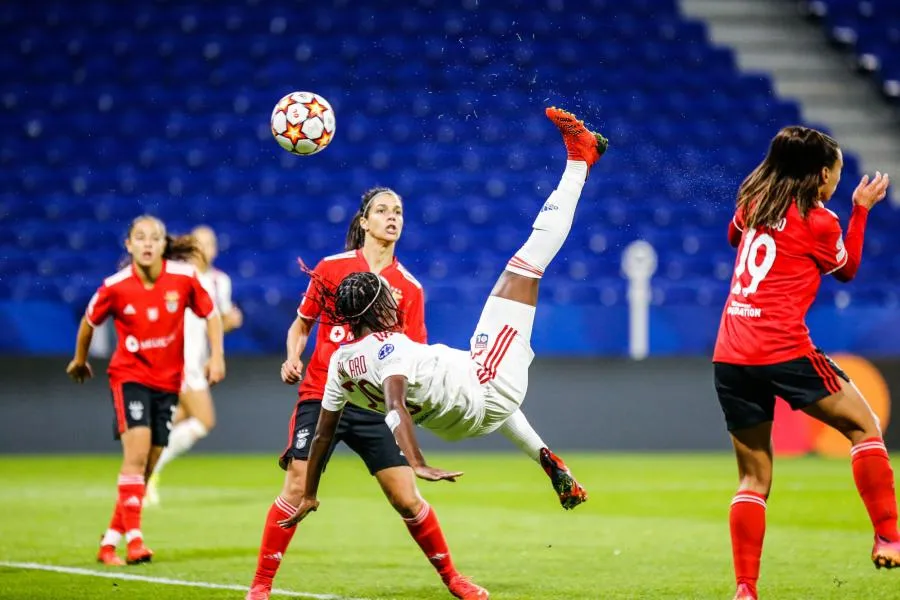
<point x="655" y="527"/>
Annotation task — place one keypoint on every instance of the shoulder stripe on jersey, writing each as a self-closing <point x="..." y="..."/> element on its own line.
<point x="118" y="277"/>
<point x="408" y="276"/>
<point x="180" y="268"/>
<point x="736" y="226"/>
<point x="347" y="254"/>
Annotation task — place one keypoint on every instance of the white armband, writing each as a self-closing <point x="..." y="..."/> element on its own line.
<point x="392" y="419"/>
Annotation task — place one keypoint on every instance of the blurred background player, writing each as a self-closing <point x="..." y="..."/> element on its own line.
<point x="147" y="301"/>
<point x="195" y="416"/>
<point x="787" y="240"/>
<point x="455" y="393"/>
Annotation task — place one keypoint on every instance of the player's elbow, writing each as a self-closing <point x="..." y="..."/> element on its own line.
<point x="844" y="277"/>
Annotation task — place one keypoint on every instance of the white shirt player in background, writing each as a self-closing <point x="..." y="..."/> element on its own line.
<point x="195" y="416"/>
<point x="454" y="393"/>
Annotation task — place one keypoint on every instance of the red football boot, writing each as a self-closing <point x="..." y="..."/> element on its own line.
<point x="259" y="591"/>
<point x="462" y="587"/>
<point x="107" y="556"/>
<point x="885" y="554"/>
<point x="138" y="553"/>
<point x="745" y="592"/>
<point x="581" y="143"/>
<point x="571" y="494"/>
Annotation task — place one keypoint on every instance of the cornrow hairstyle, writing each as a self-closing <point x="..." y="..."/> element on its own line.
<point x="356" y="235"/>
<point x="363" y="301"/>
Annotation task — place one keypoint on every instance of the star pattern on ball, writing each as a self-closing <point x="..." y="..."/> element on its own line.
<point x="285" y="102"/>
<point x="315" y="108"/>
<point x="324" y="139"/>
<point x="294" y="134"/>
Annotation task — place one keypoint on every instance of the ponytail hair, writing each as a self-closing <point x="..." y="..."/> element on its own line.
<point x="178" y="247"/>
<point x="791" y="172"/>
<point x="184" y="248"/>
<point x="356" y="235"/>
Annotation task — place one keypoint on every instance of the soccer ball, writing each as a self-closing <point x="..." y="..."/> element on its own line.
<point x="303" y="123"/>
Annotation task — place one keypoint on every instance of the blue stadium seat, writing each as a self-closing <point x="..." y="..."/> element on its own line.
<point x="110" y="111"/>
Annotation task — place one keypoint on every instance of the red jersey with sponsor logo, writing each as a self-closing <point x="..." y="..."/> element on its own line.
<point x="149" y="323"/>
<point x="332" y="270"/>
<point x="776" y="278"/>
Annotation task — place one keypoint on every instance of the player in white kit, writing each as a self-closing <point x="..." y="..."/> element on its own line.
<point x="454" y="393"/>
<point x="195" y="416"/>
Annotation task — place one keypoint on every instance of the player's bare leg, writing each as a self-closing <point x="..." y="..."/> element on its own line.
<point x="848" y="412"/>
<point x="519" y="282"/>
<point x="276" y="539"/>
<point x="519" y="431"/>
<point x="747" y="517"/>
<point x="194" y="418"/>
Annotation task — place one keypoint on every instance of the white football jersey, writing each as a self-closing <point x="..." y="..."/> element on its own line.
<point x="218" y="285"/>
<point x="443" y="393"/>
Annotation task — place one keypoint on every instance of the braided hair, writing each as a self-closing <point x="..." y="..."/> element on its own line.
<point x="356" y="235"/>
<point x="363" y="301"/>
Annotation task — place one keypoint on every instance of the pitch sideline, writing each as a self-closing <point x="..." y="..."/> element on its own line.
<point x="161" y="580"/>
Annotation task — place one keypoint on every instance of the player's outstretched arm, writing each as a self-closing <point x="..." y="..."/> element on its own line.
<point x="321" y="442"/>
<point x="79" y="369"/>
<point x="401" y="424"/>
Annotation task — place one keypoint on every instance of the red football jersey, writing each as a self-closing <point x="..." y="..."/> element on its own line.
<point x="332" y="269"/>
<point x="776" y="277"/>
<point x="149" y="323"/>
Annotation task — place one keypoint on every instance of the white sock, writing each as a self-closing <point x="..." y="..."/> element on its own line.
<point x="111" y="538"/>
<point x="519" y="431"/>
<point x="182" y="438"/>
<point x="552" y="225"/>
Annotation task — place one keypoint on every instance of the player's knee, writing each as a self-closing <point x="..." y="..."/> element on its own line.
<point x="760" y="483"/>
<point x="407" y="503"/>
<point x="208" y="421"/>
<point x="294" y="482"/>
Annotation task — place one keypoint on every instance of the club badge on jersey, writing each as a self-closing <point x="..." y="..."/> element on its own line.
<point x="172" y="301"/>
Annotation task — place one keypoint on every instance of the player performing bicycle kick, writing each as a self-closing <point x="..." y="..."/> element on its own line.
<point x="456" y="394"/>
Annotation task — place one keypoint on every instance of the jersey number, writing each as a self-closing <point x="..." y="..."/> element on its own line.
<point x="748" y="261"/>
<point x="374" y="395"/>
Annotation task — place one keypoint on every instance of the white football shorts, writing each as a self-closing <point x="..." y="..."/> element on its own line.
<point x="501" y="347"/>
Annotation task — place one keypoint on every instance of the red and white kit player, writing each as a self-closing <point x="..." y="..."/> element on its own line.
<point x="147" y="301"/>
<point x="405" y="289"/>
<point x="787" y="240"/>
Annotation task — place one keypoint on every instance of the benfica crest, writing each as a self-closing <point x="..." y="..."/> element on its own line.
<point x="172" y="301"/>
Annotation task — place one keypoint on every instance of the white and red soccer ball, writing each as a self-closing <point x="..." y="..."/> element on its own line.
<point x="303" y="123"/>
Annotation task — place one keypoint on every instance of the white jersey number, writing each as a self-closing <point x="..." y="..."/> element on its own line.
<point x="748" y="261"/>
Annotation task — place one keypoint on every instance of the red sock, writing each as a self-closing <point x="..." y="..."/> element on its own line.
<point x="275" y="541"/>
<point x="426" y="530"/>
<point x="748" y="528"/>
<point x="116" y="529"/>
<point x="131" y="500"/>
<point x="875" y="482"/>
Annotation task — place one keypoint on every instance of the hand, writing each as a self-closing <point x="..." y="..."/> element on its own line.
<point x="307" y="505"/>
<point x="869" y="193"/>
<point x="215" y="369"/>
<point x="234" y="319"/>
<point x="78" y="372"/>
<point x="292" y="371"/>
<point x="433" y="474"/>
